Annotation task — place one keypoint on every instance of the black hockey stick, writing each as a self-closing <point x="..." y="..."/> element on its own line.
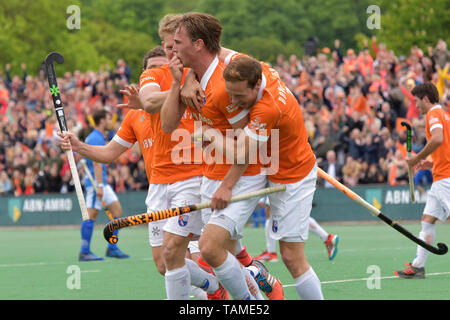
<point x="54" y="90"/>
<point x="441" y="247"/>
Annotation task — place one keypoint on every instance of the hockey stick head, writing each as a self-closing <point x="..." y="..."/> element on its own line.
<point x="406" y="124"/>
<point x="442" y="248"/>
<point x="408" y="135"/>
<point x="54" y="56"/>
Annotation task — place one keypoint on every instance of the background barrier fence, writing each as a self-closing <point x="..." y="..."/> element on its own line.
<point x="328" y="205"/>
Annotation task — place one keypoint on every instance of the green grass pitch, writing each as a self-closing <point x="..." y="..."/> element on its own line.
<point x="35" y="263"/>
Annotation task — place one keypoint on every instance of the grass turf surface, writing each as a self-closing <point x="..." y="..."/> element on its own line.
<point x="34" y="264"/>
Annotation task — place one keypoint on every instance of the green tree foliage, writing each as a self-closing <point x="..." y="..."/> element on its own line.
<point x="414" y="22"/>
<point x="127" y="29"/>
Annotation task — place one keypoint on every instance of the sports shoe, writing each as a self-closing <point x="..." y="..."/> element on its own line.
<point x="331" y="245"/>
<point x="267" y="283"/>
<point x="221" y="293"/>
<point x="411" y="272"/>
<point x="267" y="256"/>
<point x="89" y="257"/>
<point x="116" y="253"/>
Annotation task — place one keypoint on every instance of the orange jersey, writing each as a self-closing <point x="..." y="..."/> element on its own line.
<point x="219" y="113"/>
<point x="277" y="109"/>
<point x="172" y="160"/>
<point x="438" y="118"/>
<point x="136" y="127"/>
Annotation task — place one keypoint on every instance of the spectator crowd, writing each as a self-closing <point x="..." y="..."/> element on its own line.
<point x="352" y="103"/>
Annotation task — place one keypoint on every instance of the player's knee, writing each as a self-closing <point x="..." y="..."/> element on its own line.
<point x="296" y="263"/>
<point x="174" y="250"/>
<point x="207" y="249"/>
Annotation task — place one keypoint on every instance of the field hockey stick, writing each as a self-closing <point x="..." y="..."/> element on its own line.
<point x="408" y="149"/>
<point x="91" y="178"/>
<point x="173" y="212"/>
<point x="54" y="90"/>
<point x="441" y="247"/>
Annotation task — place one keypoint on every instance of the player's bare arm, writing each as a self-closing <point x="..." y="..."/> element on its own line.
<point x="150" y="99"/>
<point x="223" y="194"/>
<point x="437" y="137"/>
<point x="103" y="154"/>
<point x="173" y="110"/>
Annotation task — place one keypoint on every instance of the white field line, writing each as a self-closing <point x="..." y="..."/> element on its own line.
<point x="365" y="279"/>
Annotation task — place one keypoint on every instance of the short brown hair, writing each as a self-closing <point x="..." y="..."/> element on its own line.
<point x="98" y="115"/>
<point x="155" y="52"/>
<point x="426" y="89"/>
<point x="168" y="24"/>
<point x="243" y="68"/>
<point x="205" y="27"/>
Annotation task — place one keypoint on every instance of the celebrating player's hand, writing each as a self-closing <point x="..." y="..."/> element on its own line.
<point x="191" y="93"/>
<point x="132" y="93"/>
<point x="221" y="198"/>
<point x="412" y="161"/>
<point x="68" y="141"/>
<point x="176" y="68"/>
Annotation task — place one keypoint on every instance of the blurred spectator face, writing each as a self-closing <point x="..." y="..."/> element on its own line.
<point x="351" y="54"/>
<point x="54" y="169"/>
<point x="385" y="107"/>
<point x="331" y="156"/>
<point x="441" y="45"/>
<point x="356" y="134"/>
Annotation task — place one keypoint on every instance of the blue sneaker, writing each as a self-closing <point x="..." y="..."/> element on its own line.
<point x="331" y="245"/>
<point x="89" y="257"/>
<point x="116" y="253"/>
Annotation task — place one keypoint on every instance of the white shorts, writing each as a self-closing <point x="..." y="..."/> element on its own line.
<point x="93" y="202"/>
<point x="290" y="210"/>
<point x="438" y="200"/>
<point x="193" y="247"/>
<point x="234" y="217"/>
<point x="177" y="194"/>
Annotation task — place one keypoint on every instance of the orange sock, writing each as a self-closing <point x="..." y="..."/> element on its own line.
<point x="244" y="258"/>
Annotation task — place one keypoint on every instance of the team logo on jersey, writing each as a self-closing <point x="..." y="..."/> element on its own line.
<point x="433" y="120"/>
<point x="256" y="124"/>
<point x="142" y="118"/>
<point x="232" y="107"/>
<point x="275" y="226"/>
<point x="200" y="117"/>
<point x="183" y="220"/>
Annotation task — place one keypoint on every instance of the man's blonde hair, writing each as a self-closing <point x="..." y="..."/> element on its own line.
<point x="168" y="24"/>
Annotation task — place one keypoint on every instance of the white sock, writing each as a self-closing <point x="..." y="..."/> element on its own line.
<point x="252" y="285"/>
<point x="230" y="276"/>
<point x="317" y="229"/>
<point x="308" y="286"/>
<point x="202" y="279"/>
<point x="427" y="234"/>
<point x="178" y="283"/>
<point x="271" y="244"/>
<point x="198" y="293"/>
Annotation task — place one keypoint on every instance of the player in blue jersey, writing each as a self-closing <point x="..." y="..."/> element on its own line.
<point x="104" y="193"/>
